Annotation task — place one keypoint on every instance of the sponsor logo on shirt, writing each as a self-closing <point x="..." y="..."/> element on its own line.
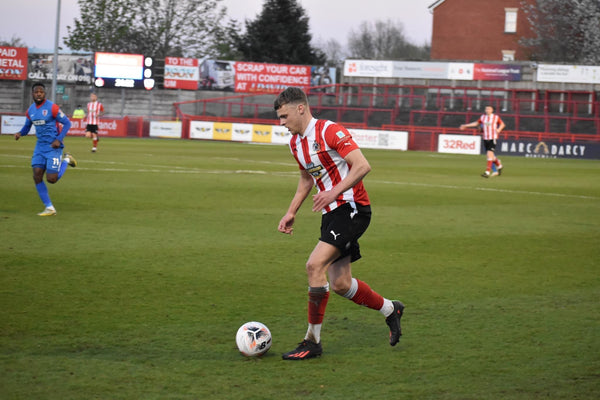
<point x="314" y="170"/>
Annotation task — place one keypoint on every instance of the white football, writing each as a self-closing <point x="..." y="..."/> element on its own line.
<point x="253" y="339"/>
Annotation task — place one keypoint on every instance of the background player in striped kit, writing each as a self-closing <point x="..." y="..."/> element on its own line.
<point x="329" y="159"/>
<point x="95" y="110"/>
<point x="47" y="155"/>
<point x="491" y="125"/>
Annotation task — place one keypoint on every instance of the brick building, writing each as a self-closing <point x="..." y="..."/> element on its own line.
<point x="479" y="30"/>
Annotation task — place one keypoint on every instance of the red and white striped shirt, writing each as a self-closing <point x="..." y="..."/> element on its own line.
<point x="93" y="112"/>
<point x="489" y="125"/>
<point x="321" y="151"/>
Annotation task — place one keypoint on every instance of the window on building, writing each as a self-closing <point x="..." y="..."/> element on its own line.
<point x="510" y="20"/>
<point x="508" y="55"/>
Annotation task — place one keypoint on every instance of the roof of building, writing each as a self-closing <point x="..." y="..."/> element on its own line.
<point x="434" y="5"/>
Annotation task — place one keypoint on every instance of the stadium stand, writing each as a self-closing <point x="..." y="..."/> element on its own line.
<point x="377" y="106"/>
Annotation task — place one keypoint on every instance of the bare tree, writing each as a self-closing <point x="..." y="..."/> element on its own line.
<point x="564" y="31"/>
<point x="383" y="40"/>
<point x="104" y="25"/>
<point x="179" y="27"/>
<point x="333" y="51"/>
<point x="159" y="28"/>
<point x="14" y="41"/>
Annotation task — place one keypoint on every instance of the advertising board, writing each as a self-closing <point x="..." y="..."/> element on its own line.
<point x="13" y="63"/>
<point x="548" y="149"/>
<point x="181" y="73"/>
<point x="459" y="144"/>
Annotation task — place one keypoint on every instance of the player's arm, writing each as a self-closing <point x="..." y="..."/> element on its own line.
<point x="501" y="125"/>
<point x="25" y="129"/>
<point x="359" y="168"/>
<point x="305" y="185"/>
<point x="65" y="122"/>
<point x="473" y="124"/>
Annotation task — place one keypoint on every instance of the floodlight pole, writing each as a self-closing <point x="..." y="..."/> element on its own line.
<point x="55" y="60"/>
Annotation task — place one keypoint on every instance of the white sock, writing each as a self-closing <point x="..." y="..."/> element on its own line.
<point x="314" y="333"/>
<point x="388" y="308"/>
<point x="352" y="291"/>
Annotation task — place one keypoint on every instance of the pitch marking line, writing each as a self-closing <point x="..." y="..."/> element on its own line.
<point x="187" y="170"/>
<point x="489" y="189"/>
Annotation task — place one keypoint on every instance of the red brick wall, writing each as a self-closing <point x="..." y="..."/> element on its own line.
<point x="474" y="30"/>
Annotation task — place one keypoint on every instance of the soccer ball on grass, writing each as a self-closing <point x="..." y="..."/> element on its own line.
<point x="253" y="339"/>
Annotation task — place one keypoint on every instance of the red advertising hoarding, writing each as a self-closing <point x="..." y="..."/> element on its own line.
<point x="496" y="72"/>
<point x="106" y="127"/>
<point x="273" y="78"/>
<point x="181" y="73"/>
<point x="13" y="63"/>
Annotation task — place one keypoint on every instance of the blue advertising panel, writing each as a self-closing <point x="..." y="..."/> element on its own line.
<point x="548" y="149"/>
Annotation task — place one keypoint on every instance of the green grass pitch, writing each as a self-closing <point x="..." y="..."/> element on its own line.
<point x="161" y="249"/>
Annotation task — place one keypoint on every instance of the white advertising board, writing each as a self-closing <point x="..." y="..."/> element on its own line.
<point x="369" y="68"/>
<point x="165" y="129"/>
<point x="375" y="139"/>
<point x="459" y="144"/>
<point x="276" y="134"/>
<point x="12" y="124"/>
<point x="461" y="71"/>
<point x="201" y="130"/>
<point x="281" y="135"/>
<point x="420" y="70"/>
<point x="241" y="132"/>
<point x="568" y="73"/>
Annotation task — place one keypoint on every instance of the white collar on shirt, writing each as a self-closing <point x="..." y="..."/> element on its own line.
<point x="310" y="128"/>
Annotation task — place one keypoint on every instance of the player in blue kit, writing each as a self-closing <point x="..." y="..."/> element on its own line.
<point x="47" y="155"/>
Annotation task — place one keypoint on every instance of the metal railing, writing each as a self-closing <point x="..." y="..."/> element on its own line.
<point x="562" y="112"/>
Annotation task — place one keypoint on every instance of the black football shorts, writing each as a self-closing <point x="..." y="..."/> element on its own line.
<point x="343" y="226"/>
<point x="490" y="145"/>
<point x="91" y="128"/>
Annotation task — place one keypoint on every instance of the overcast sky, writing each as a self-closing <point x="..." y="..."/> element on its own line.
<point x="329" y="19"/>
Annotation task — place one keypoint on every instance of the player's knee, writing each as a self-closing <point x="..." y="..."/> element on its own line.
<point x="310" y="267"/>
<point x="313" y="268"/>
<point x="52" y="178"/>
<point x="339" y="287"/>
<point x="37" y="177"/>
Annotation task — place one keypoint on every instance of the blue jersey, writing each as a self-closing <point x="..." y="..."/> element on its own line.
<point x="45" y="118"/>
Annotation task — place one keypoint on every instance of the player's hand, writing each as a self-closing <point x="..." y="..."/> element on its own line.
<point x="462" y="127"/>
<point x="322" y="199"/>
<point x="17" y="135"/>
<point x="286" y="224"/>
<point x="55" y="144"/>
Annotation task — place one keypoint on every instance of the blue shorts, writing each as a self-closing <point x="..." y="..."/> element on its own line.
<point x="48" y="159"/>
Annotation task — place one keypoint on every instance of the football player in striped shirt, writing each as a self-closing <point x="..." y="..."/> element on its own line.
<point x="47" y="156"/>
<point x="95" y="110"/>
<point x="491" y="125"/>
<point x="330" y="159"/>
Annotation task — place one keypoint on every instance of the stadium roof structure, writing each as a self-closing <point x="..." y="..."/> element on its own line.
<point x="434" y="5"/>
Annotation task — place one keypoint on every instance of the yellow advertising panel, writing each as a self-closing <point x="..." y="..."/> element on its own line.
<point x="222" y="131"/>
<point x="261" y="133"/>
